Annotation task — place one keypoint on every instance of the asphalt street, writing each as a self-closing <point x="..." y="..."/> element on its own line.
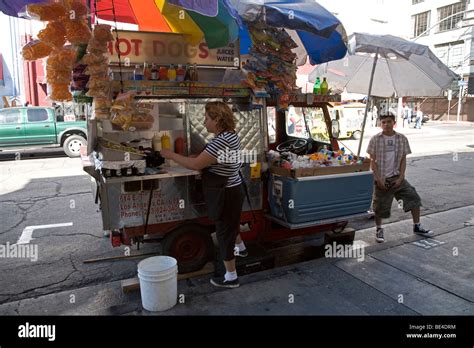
<point x="52" y="198"/>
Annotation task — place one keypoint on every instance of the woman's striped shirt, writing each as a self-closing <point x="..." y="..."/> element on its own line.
<point x="226" y="148"/>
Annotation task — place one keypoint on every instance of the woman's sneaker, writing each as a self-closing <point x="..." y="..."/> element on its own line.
<point x="418" y="229"/>
<point x="241" y="253"/>
<point x="379" y="235"/>
<point x="221" y="282"/>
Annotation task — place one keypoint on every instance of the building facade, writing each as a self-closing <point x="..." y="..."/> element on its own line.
<point x="23" y="82"/>
<point x="445" y="26"/>
<point x="12" y="83"/>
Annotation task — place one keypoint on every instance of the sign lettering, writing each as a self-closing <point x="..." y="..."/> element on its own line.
<point x="167" y="48"/>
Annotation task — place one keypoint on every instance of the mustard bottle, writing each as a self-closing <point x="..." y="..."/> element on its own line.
<point x="165" y="142"/>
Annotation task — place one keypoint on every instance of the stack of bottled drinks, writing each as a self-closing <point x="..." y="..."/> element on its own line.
<point x="320" y="88"/>
<point x="166" y="73"/>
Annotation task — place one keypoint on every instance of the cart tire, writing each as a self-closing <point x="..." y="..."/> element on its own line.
<point x="190" y="245"/>
<point x="356" y="135"/>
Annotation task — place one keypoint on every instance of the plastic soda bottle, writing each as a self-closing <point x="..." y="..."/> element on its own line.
<point x="172" y="73"/>
<point x="154" y="72"/>
<point x="187" y="76"/>
<point x="180" y="73"/>
<point x="194" y="73"/>
<point x="324" y="87"/>
<point x="163" y="73"/>
<point x="317" y="86"/>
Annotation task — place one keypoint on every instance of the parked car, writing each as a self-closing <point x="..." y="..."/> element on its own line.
<point x="34" y="126"/>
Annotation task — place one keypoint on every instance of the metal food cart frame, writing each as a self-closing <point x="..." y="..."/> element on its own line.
<point x="187" y="235"/>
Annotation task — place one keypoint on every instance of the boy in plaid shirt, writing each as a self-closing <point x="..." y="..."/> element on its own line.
<point x="388" y="151"/>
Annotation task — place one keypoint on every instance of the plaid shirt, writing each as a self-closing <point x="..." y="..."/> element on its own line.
<point x="377" y="147"/>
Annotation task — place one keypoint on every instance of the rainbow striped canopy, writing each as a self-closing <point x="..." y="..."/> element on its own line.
<point x="212" y="20"/>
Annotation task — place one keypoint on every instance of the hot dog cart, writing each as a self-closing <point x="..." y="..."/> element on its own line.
<point x="142" y="200"/>
<point x="177" y="214"/>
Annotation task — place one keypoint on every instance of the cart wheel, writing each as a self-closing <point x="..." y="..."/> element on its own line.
<point x="339" y="227"/>
<point x="191" y="245"/>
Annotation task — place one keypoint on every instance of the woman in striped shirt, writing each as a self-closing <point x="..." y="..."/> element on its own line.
<point x="220" y="162"/>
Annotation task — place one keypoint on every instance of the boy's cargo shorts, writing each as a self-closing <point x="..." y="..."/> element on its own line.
<point x="405" y="194"/>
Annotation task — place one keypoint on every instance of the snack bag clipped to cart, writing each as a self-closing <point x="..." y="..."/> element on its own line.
<point x="35" y="50"/>
<point x="102" y="33"/>
<point x="54" y="34"/>
<point x="122" y="110"/>
<point x="77" y="31"/>
<point x="97" y="67"/>
<point x="126" y="115"/>
<point x="59" y="68"/>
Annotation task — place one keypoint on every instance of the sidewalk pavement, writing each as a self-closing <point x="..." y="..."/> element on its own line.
<point x="434" y="128"/>
<point x="407" y="275"/>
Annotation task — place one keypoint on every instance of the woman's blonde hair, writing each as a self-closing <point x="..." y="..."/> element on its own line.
<point x="222" y="113"/>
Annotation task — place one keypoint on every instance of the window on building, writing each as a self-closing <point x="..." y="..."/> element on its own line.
<point x="451" y="54"/>
<point x="414" y="2"/>
<point x="449" y="16"/>
<point x="420" y="23"/>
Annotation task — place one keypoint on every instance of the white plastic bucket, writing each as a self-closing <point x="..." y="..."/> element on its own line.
<point x="158" y="283"/>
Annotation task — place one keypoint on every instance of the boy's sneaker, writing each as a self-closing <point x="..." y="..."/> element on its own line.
<point x="379" y="235"/>
<point x="418" y="229"/>
<point x="221" y="282"/>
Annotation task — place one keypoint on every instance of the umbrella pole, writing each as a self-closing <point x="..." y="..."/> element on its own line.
<point x="368" y="102"/>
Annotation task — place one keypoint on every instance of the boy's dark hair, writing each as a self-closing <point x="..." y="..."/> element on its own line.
<point x="387" y="115"/>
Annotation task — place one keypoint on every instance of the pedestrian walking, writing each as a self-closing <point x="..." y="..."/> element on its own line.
<point x="407" y="114"/>
<point x="419" y="118"/>
<point x="388" y="151"/>
<point x="374" y="116"/>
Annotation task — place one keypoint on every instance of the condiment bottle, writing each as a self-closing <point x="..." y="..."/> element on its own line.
<point x="156" y="142"/>
<point x="179" y="146"/>
<point x="165" y="142"/>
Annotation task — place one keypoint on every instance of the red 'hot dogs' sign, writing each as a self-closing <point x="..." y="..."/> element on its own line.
<point x="165" y="48"/>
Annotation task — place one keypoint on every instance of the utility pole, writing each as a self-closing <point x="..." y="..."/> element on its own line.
<point x="450" y="96"/>
<point x="461" y="89"/>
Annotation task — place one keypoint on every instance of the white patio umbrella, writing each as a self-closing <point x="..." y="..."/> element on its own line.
<point x="386" y="66"/>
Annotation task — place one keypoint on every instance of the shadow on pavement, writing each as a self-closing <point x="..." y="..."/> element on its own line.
<point x="31" y="153"/>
